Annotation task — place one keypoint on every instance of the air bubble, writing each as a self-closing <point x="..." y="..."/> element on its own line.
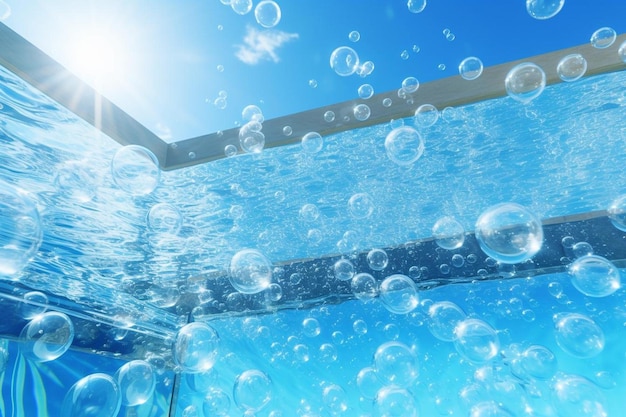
<point x="94" y="395"/>
<point x="395" y="401"/>
<point x="313" y="83"/>
<point x="387" y="102"/>
<point x="230" y="150"/>
<point x="311" y="327"/>
<point x="377" y="259"/>
<point x="404" y="145"/>
<point x="250" y="271"/>
<point x="329" y="116"/>
<point x="448" y="233"/>
<point x="398" y="294"/>
<point x="509" y="233"/>
<point x="361" y="112"/>
<point x="287" y="130"/>
<point x="135" y="170"/>
<point x="595" y="276"/>
<point x="312" y="142"/>
<point x="603" y="38"/>
<point x="471" y="68"/>
<point x="47" y="336"/>
<point x="344" y="61"/>
<point x="574" y="395"/>
<point x="544" y="9"/>
<point x="136" y="381"/>
<point x="426" y="115"/>
<point x="476" y="340"/>
<point x="364" y="286"/>
<point x="617" y="213"/>
<point x="267" y="13"/>
<point x="354" y="36"/>
<point x="164" y="218"/>
<point x="410" y="85"/>
<point x="252" y="390"/>
<point x="195" y="347"/>
<point x="366" y="91"/>
<point x="241" y="7"/>
<point x="404" y="55"/>
<point x="525" y="82"/>
<point x="416" y="6"/>
<point x="396" y="364"/>
<point x="578" y="335"/>
<point x="361" y="206"/>
<point x="343" y="270"/>
<point x="571" y="67"/>
<point x="622" y="51"/>
<point x="252" y="113"/>
<point x="443" y="319"/>
<point x="539" y="362"/>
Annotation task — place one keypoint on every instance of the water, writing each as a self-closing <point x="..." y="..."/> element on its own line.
<point x="129" y="272"/>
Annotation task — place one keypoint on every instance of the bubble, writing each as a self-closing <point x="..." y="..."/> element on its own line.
<point x="396" y="364"/>
<point x="311" y="327"/>
<point x="47" y="336"/>
<point x="426" y="115"/>
<point x="359" y="327"/>
<point x="309" y="213"/>
<point x="251" y="139"/>
<point x="366" y="91"/>
<point x="622" y="51"/>
<point x="335" y="399"/>
<point x="5" y="10"/>
<point x="94" y="395"/>
<point x="301" y="352"/>
<point x="441" y="67"/>
<point x="416" y="6"/>
<point x="471" y="68"/>
<point x="404" y="55"/>
<point x="404" y="145"/>
<point x="539" y="362"/>
<point x="544" y="9"/>
<point x="252" y="390"/>
<point x="457" y="260"/>
<point x="361" y="112"/>
<point x="387" y="102"/>
<point x="365" y="69"/>
<point x="164" y="218"/>
<point x="220" y="68"/>
<point x="136" y="382"/>
<point x="329" y="116"/>
<point x="344" y="61"/>
<point x="230" y="150"/>
<point x="312" y="142"/>
<point x="368" y="383"/>
<point x="135" y="170"/>
<point x="398" y="294"/>
<point x="360" y="206"/>
<point x="578" y="335"/>
<point x="617" y="213"/>
<point x="509" y="233"/>
<point x="34" y="303"/>
<point x="267" y="13"/>
<point x="343" y="270"/>
<point x="574" y="395"/>
<point x="364" y="286"/>
<point x="241" y="7"/>
<point x="443" y="319"/>
<point x="195" y="348"/>
<point x="525" y="82"/>
<point x="476" y="340"/>
<point x="603" y="38"/>
<point x="216" y="403"/>
<point x="250" y="271"/>
<point x="252" y="113"/>
<point x="450" y="37"/>
<point x="328" y="353"/>
<point x="354" y="36"/>
<point x="410" y="85"/>
<point x="448" y="233"/>
<point x="595" y="276"/>
<point x="377" y="259"/>
<point x="313" y="83"/>
<point x="220" y="103"/>
<point x="395" y="401"/>
<point x="571" y="67"/>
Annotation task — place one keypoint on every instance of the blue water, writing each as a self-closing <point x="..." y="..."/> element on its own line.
<point x="127" y="288"/>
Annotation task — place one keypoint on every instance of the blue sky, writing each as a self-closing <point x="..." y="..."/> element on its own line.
<point x="161" y="60"/>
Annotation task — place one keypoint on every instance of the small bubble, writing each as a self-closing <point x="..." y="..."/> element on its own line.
<point x="220" y="103"/>
<point x="471" y="68"/>
<point x="398" y="294"/>
<point x="311" y="327"/>
<point x="220" y="27"/>
<point x="404" y="55"/>
<point x="416" y="6"/>
<point x="344" y="61"/>
<point x="366" y="91"/>
<point x="544" y="9"/>
<point x="354" y="36"/>
<point x="426" y="115"/>
<point x="603" y="38"/>
<point x="313" y="83"/>
<point x="287" y="130"/>
<point x="329" y="116"/>
<point x="387" y="102"/>
<point x="377" y="259"/>
<point x="343" y="270"/>
<point x="410" y="85"/>
<point x="441" y="67"/>
<point x="361" y="205"/>
<point x="191" y="155"/>
<point x="404" y="145"/>
<point x="312" y="142"/>
<point x="364" y="286"/>
<point x="365" y="69"/>
<point x="230" y="150"/>
<point x="525" y="82"/>
<point x="571" y="67"/>
<point x="241" y="7"/>
<point x="267" y="13"/>
<point x="457" y="260"/>
<point x="361" y="112"/>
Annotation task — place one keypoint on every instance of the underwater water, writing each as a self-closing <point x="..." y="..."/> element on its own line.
<point x="108" y="259"/>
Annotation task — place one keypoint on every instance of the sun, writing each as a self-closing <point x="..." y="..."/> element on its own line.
<point x="98" y="58"/>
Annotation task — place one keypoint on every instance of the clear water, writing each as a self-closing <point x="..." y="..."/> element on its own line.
<point x="127" y="288"/>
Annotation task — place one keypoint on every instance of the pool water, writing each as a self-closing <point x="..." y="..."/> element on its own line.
<point x="124" y="261"/>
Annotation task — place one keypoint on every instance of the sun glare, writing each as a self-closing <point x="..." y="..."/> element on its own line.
<point x="98" y="59"/>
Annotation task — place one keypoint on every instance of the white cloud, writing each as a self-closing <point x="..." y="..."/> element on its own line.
<point x="261" y="45"/>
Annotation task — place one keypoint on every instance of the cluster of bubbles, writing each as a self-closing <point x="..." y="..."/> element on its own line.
<point x="251" y="138"/>
<point x="221" y="101"/>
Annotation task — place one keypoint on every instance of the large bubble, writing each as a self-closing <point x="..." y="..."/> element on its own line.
<point x="571" y="67"/>
<point x="267" y="13"/>
<point x="47" y="336"/>
<point x="544" y="9"/>
<point x="364" y="286"/>
<point x="595" y="276"/>
<point x="343" y="270"/>
<point x="34" y="304"/>
<point x="312" y="142"/>
<point x="574" y="395"/>
<point x="251" y="138"/>
<point x="136" y="381"/>
<point x="443" y="318"/>
<point x="410" y="85"/>
<point x="448" y="233"/>
<point x="164" y="218"/>
<point x="195" y="348"/>
<point x="250" y="271"/>
<point x="377" y="259"/>
<point x="578" y="335"/>
<point x="135" y="170"/>
<point x="404" y="145"/>
<point x="525" y="82"/>
<point x="416" y="6"/>
<point x="20" y="234"/>
<point x="252" y="390"/>
<point x="603" y="38"/>
<point x="241" y="7"/>
<point x="539" y="362"/>
<point x="395" y="401"/>
<point x="216" y="403"/>
<point x="361" y="205"/>
<point x="476" y="340"/>
<point x="396" y="364"/>
<point x="398" y="294"/>
<point x="361" y="112"/>
<point x="617" y="213"/>
<point x="344" y="61"/>
<point x="96" y="395"/>
<point x="509" y="233"/>
<point x="471" y="68"/>
<point x="426" y="115"/>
